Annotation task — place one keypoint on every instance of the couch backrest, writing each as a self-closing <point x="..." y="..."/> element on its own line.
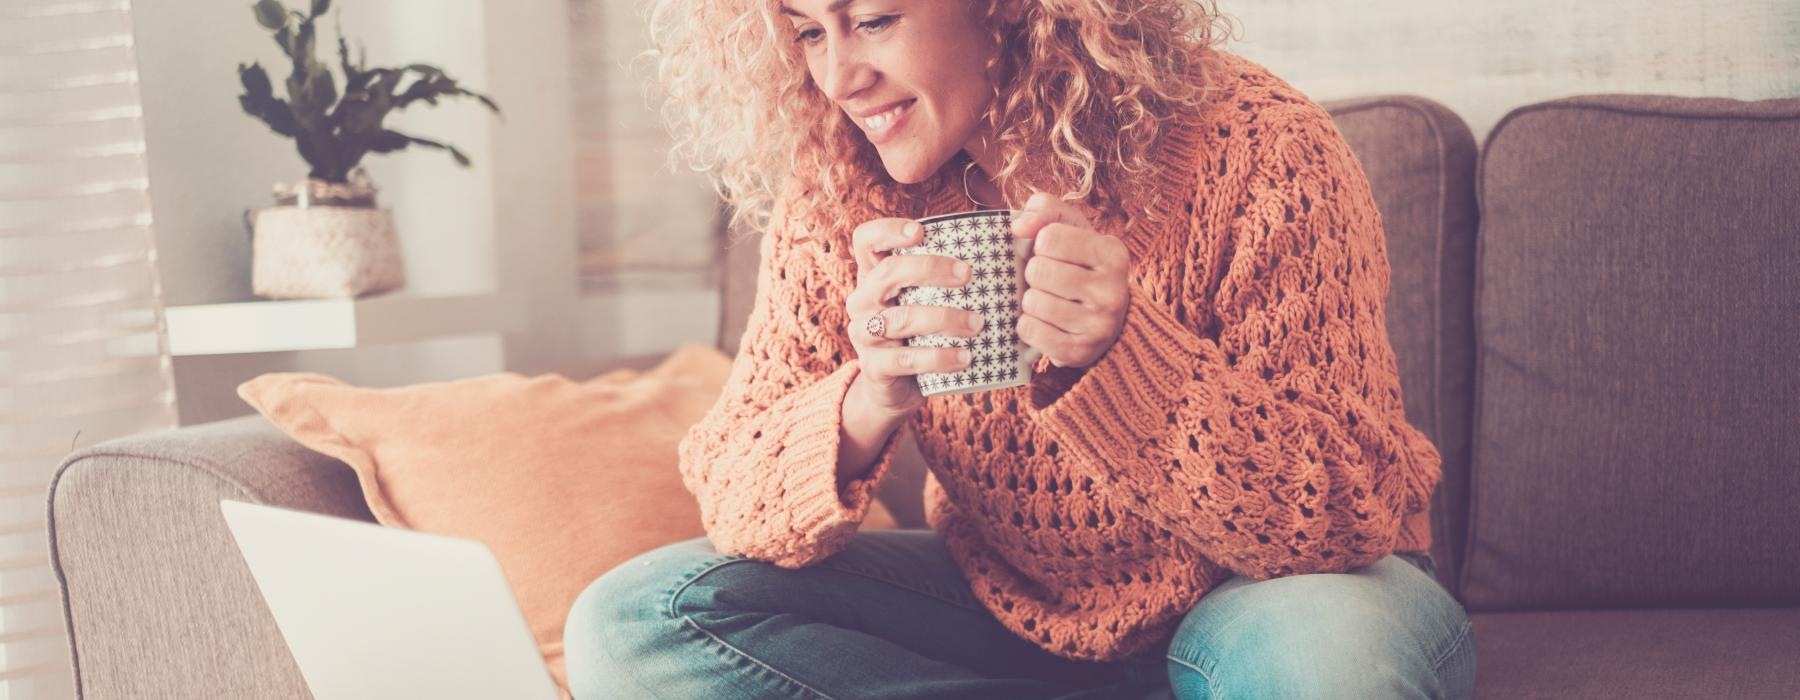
<point x="1420" y="161"/>
<point x="1637" y="429"/>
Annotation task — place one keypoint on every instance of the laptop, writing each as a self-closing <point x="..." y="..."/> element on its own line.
<point x="377" y="612"/>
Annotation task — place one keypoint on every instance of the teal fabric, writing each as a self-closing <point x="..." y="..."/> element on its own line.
<point x="892" y="617"/>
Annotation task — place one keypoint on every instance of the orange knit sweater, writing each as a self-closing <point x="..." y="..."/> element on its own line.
<point x="1247" y="420"/>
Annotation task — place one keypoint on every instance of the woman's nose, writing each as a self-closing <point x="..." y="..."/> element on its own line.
<point x="846" y="72"/>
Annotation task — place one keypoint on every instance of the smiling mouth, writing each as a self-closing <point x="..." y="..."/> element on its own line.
<point x="879" y="124"/>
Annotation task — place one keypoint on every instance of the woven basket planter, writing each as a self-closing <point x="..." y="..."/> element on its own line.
<point x="324" y="244"/>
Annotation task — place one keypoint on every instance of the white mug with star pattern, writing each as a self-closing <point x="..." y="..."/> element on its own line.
<point x="984" y="240"/>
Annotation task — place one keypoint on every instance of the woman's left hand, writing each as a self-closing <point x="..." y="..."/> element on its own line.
<point x="1075" y="296"/>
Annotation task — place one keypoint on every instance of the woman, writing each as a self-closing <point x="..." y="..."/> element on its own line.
<point x="1208" y="489"/>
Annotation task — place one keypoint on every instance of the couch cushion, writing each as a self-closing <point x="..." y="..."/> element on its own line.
<point x="1714" y="653"/>
<point x="1635" y="442"/>
<point x="1420" y="161"/>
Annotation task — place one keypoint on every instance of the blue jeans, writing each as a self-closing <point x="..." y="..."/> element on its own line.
<point x="891" y="616"/>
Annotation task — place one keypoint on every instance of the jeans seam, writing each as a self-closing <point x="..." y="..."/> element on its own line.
<point x="759" y="662"/>
<point x="1211" y="690"/>
<point x="708" y="567"/>
<point x="1462" y="636"/>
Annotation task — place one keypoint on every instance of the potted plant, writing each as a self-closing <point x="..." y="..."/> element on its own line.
<point x="326" y="236"/>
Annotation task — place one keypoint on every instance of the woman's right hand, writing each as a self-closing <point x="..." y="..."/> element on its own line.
<point x="888" y="380"/>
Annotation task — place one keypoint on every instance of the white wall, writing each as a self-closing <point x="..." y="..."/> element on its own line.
<point x="504" y="221"/>
<point x="1483" y="58"/>
<point x="533" y="172"/>
<point x="510" y="222"/>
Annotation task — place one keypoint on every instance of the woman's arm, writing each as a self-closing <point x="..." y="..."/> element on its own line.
<point x="865" y="433"/>
<point x="1276" y="443"/>
<point x="764" y="462"/>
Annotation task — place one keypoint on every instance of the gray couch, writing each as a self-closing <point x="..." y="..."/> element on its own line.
<point x="1596" y="316"/>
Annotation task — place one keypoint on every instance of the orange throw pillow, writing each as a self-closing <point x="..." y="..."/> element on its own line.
<point x="562" y="480"/>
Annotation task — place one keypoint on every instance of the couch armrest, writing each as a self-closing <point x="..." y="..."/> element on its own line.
<point x="158" y="601"/>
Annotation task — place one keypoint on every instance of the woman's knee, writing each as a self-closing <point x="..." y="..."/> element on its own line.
<point x="1378" y="631"/>
<point x="620" y="619"/>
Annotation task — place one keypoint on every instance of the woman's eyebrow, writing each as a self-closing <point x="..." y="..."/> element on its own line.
<point x="835" y="6"/>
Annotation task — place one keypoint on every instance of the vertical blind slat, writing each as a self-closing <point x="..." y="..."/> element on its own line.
<point x="71" y="164"/>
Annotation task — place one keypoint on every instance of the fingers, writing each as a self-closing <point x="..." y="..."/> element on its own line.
<point x="1043" y="209"/>
<point x="1066" y="280"/>
<point x="908" y="320"/>
<point x="1039" y="334"/>
<point x="873" y="239"/>
<point x="906" y="361"/>
<point x="897" y="272"/>
<point x="1059" y="313"/>
<point x="1073" y="244"/>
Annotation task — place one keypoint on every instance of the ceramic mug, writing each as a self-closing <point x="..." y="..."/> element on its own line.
<point x="984" y="240"/>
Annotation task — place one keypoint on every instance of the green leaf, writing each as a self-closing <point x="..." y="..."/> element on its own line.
<point x="285" y="39"/>
<point x="321" y="88"/>
<point x="304" y="44"/>
<point x="389" y="141"/>
<point x="271" y="13"/>
<point x="255" y="79"/>
<point x="489" y="101"/>
<point x="259" y="101"/>
<point x="434" y="83"/>
<point x="386" y="141"/>
<point x="350" y="72"/>
<point x="320" y="7"/>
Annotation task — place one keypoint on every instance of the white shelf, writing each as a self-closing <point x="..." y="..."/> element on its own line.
<point x="323" y="324"/>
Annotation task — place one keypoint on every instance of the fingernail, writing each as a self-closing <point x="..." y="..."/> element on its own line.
<point x="975" y="323"/>
<point x="962" y="355"/>
<point x="914" y="230"/>
<point x="962" y="269"/>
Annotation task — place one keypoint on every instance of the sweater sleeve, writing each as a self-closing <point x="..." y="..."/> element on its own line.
<point x="1273" y="439"/>
<point x="763" y="461"/>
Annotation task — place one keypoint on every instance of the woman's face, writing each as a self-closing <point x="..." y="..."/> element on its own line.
<point x="909" y="73"/>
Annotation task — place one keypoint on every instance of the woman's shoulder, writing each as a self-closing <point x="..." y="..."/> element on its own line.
<point x="1244" y="90"/>
<point x="1250" y="114"/>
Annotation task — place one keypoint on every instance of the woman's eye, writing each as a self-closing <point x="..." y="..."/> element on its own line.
<point x="876" y="24"/>
<point x="809" y="37"/>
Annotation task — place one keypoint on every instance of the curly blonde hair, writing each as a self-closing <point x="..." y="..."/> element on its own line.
<point x="1087" y="86"/>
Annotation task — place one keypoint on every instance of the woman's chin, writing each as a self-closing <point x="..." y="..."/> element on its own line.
<point x="908" y="169"/>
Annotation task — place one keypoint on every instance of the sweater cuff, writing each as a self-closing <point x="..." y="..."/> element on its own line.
<point x="819" y="507"/>
<point x="1118" y="402"/>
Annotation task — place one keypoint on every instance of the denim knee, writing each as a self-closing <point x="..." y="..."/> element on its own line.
<point x="1385" y="631"/>
<point x="619" y="622"/>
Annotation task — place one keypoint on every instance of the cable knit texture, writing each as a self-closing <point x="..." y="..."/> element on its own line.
<point x="1248" y="419"/>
